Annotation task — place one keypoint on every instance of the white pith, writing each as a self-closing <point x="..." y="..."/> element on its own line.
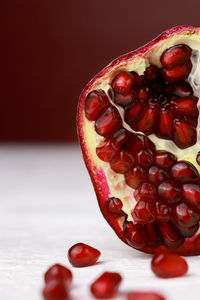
<point x="116" y="182"/>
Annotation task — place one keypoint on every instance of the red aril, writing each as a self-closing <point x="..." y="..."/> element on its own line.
<point x="55" y="290"/>
<point x="141" y="142"/>
<point x="82" y="255"/>
<point x="59" y="272"/>
<point x="166" y="264"/>
<point x="106" y="286"/>
<point x="144" y="296"/>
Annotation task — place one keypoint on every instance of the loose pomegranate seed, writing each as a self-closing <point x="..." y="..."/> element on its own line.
<point x="107" y="150"/>
<point x="134" y="234"/>
<point x="198" y="158"/>
<point x="133" y="112"/>
<point x="55" y="290"/>
<point x="152" y="235"/>
<point x="184" y="216"/>
<point x="135" y="177"/>
<point x="177" y="73"/>
<point x="180" y="89"/>
<point x="166" y="264"/>
<point x="171" y="237"/>
<point x="152" y="73"/>
<point x="185" y="107"/>
<point x="109" y="122"/>
<point x="184" y="172"/>
<point x="169" y="192"/>
<point x="124" y="100"/>
<point x="191" y="194"/>
<point x="123" y="82"/>
<point x="162" y="212"/>
<point x="144" y="212"/>
<point x="144" y="296"/>
<point x="157" y="175"/>
<point x="148" y="120"/>
<point x="146" y="192"/>
<point x="59" y="272"/>
<point x="164" y="160"/>
<point x="122" y="162"/>
<point x="114" y="206"/>
<point x="185" y="135"/>
<point x="106" y="285"/>
<point x="175" y="55"/>
<point x="120" y="138"/>
<point x="96" y="103"/>
<point x="82" y="255"/>
<point x="144" y="158"/>
<point x="165" y="126"/>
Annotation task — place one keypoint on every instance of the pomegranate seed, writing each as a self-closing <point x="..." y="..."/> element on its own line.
<point x="138" y="80"/>
<point x="180" y="89"/>
<point x="107" y="150"/>
<point x="106" y="285"/>
<point x="157" y="175"/>
<point x="143" y="94"/>
<point x="134" y="234"/>
<point x="152" y="236"/>
<point x="185" y="135"/>
<point x="162" y="212"/>
<point x="122" y="162"/>
<point x="82" y="255"/>
<point x="177" y="73"/>
<point x="165" y="126"/>
<point x="144" y="296"/>
<point x="59" y="272"/>
<point x="152" y="73"/>
<point x="55" y="290"/>
<point x="144" y="158"/>
<point x="120" y="138"/>
<point x="164" y="160"/>
<point x="139" y="142"/>
<point x="184" y="172"/>
<point x="171" y="238"/>
<point x="147" y="123"/>
<point x="143" y="212"/>
<point x="109" y="122"/>
<point x="191" y="194"/>
<point x="169" y="192"/>
<point x="185" y="106"/>
<point x="135" y="177"/>
<point x="145" y="192"/>
<point x="166" y="264"/>
<point x="198" y="158"/>
<point x="95" y="104"/>
<point x="124" y="100"/>
<point x="123" y="82"/>
<point x="188" y="231"/>
<point x="132" y="113"/>
<point x="175" y="55"/>
<point x="114" y="206"/>
<point x="183" y="216"/>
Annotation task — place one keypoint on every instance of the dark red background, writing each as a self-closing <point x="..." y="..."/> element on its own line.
<point x="50" y="49"/>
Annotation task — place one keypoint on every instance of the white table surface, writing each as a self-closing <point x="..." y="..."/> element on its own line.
<point x="47" y="205"/>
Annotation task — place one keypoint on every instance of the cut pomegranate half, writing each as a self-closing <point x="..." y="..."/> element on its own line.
<point x="139" y="133"/>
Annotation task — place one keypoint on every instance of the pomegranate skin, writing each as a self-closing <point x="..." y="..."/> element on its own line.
<point x="191" y="246"/>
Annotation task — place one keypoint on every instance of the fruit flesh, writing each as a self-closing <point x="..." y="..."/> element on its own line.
<point x="114" y="183"/>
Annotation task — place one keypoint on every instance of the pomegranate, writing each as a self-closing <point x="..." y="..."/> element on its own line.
<point x="138" y="126"/>
<point x="82" y="255"/>
<point x="59" y="272"/>
<point x="144" y="296"/>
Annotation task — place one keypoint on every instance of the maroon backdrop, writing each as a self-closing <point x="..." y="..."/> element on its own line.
<point x="50" y="49"/>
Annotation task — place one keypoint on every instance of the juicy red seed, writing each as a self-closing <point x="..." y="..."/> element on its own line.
<point x="95" y="104"/>
<point x="188" y="231"/>
<point x="132" y="113"/>
<point x="55" y="290"/>
<point x="198" y="158"/>
<point x="177" y="73"/>
<point x="164" y="160"/>
<point x="124" y="100"/>
<point x="144" y="212"/>
<point x="120" y="137"/>
<point x="162" y="212"/>
<point x="157" y="175"/>
<point x="191" y="194"/>
<point x="134" y="234"/>
<point x="169" y="192"/>
<point x="175" y="55"/>
<point x="167" y="264"/>
<point x="165" y="125"/>
<point x="135" y="177"/>
<point x="123" y="82"/>
<point x="147" y="122"/>
<point x="185" y="135"/>
<point x="144" y="296"/>
<point x="143" y="94"/>
<point x="185" y="106"/>
<point x="122" y="162"/>
<point x="180" y="89"/>
<point x="145" y="192"/>
<point x="109" y="122"/>
<point x="171" y="238"/>
<point x="184" y="172"/>
<point x="152" y="73"/>
<point x="107" y="150"/>
<point x="114" y="207"/>
<point x="59" y="272"/>
<point x="82" y="255"/>
<point x="106" y="285"/>
<point x="144" y="158"/>
<point x="184" y="216"/>
<point x="139" y="142"/>
<point x="152" y="236"/>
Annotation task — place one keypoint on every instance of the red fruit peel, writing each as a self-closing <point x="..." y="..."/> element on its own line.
<point x="82" y="255"/>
